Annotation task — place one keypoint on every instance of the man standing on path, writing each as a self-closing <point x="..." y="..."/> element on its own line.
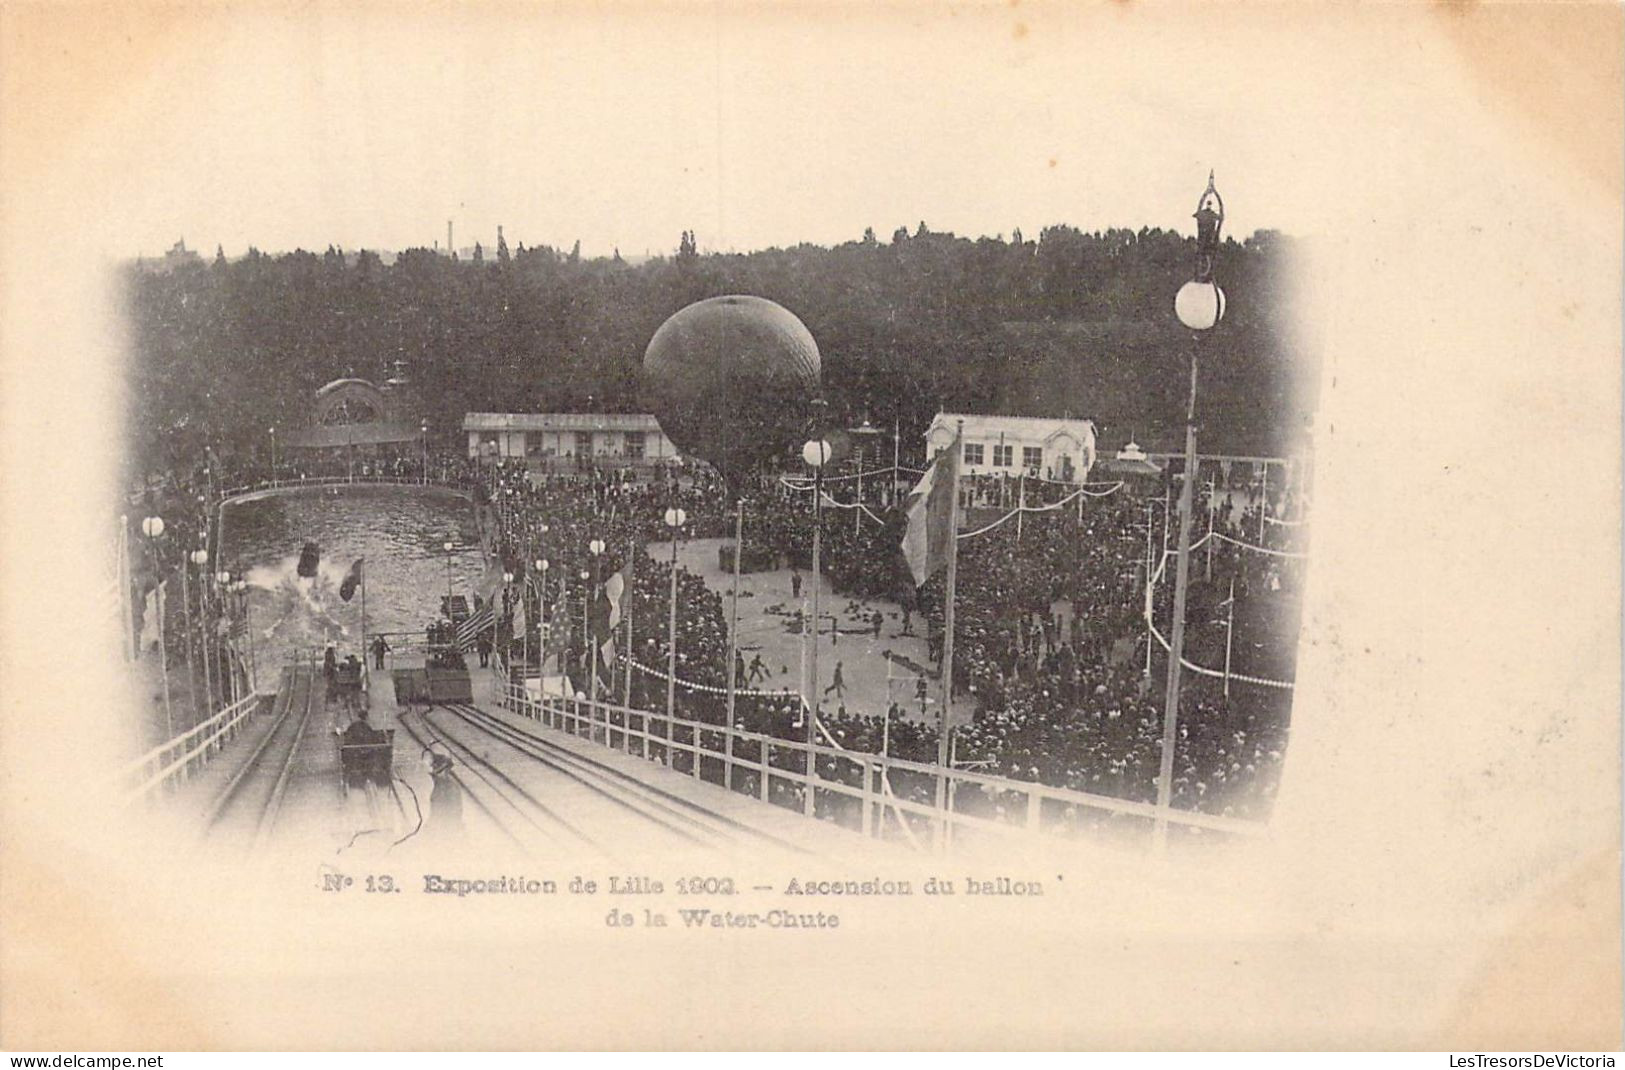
<point x="839" y="685"/>
<point x="795" y="585"/>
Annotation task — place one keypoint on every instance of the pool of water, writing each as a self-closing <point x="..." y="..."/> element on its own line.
<point x="401" y="533"/>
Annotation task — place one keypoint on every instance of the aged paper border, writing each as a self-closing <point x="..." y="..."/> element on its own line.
<point x="1445" y="864"/>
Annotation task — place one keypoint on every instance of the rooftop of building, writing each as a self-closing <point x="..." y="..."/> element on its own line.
<point x="981" y="423"/>
<point x="560" y="421"/>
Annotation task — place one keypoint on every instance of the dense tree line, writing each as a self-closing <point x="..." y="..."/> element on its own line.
<point x="1070" y="324"/>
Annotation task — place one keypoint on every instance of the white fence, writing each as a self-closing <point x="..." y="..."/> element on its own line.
<point x="186" y="753"/>
<point x="871" y="793"/>
<point x="331" y="481"/>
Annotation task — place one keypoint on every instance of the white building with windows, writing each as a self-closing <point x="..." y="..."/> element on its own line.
<point x="569" y="439"/>
<point x="1062" y="450"/>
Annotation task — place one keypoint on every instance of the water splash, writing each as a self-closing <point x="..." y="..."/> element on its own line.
<point x="302" y="609"/>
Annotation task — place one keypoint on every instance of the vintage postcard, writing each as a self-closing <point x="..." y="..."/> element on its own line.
<point x="673" y="526"/>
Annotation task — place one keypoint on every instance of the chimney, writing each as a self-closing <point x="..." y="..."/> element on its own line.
<point x="451" y="250"/>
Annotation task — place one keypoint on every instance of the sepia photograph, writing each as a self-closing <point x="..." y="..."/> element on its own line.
<point x="459" y="546"/>
<point x="1008" y="525"/>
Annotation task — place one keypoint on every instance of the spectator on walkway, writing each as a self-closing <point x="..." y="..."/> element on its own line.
<point x="839" y="684"/>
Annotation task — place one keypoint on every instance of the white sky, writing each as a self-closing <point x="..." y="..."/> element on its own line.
<point x="753" y="130"/>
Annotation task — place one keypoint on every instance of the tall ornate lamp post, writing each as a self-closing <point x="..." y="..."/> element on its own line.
<point x="586" y="628"/>
<point x="273" y="453"/>
<point x="240" y="589"/>
<point x="153" y="528"/>
<point x="816" y="453"/>
<point x="675" y="519"/>
<point x="200" y="558"/>
<point x="507" y="611"/>
<point x="450" y="546"/>
<point x="1199" y="306"/>
<point x="595" y="551"/>
<point x="733" y="646"/>
<point x="541" y="583"/>
<point x="423" y="433"/>
<point x="222" y="588"/>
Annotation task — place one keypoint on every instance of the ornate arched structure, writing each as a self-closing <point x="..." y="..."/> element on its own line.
<point x="350" y="401"/>
<point x="354" y="412"/>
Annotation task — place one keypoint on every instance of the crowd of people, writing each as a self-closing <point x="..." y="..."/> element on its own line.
<point x="1051" y="647"/>
<point x="1050" y="634"/>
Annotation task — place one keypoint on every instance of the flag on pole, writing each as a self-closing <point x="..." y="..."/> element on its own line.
<point x="606" y="615"/>
<point x="352" y="580"/>
<point x="468" y="632"/>
<point x="152" y="618"/>
<point x="929" y="507"/>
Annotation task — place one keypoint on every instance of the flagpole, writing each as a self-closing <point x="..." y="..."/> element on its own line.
<point x="673" y="518"/>
<point x="1150" y="604"/>
<point x="631" y="602"/>
<point x="1212" y="491"/>
<point x="1229" y="634"/>
<point x="524" y="598"/>
<point x="191" y="664"/>
<point x="1167" y="518"/>
<point x="817" y="572"/>
<point x="163" y="649"/>
<point x="366" y="655"/>
<point x="948" y="635"/>
<point x="1263" y="502"/>
<point x="733" y="645"/>
<point x="203" y="637"/>
<point x="1021" y="506"/>
<point x="857" y="513"/>
<point x="253" y="648"/>
<point x="896" y="454"/>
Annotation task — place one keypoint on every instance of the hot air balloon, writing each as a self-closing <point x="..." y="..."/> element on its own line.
<point x="732" y="380"/>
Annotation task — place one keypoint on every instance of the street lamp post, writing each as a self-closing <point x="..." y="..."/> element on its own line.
<point x="531" y="595"/>
<point x="733" y="646"/>
<point x="675" y="519"/>
<point x="450" y="546"/>
<point x="1199" y="306"/>
<point x="816" y="453"/>
<point x="153" y="528"/>
<point x="423" y="432"/>
<point x="186" y="616"/>
<point x="586" y="627"/>
<point x="541" y="599"/>
<point x="626" y="694"/>
<point x="507" y="611"/>
<point x="595" y="551"/>
<point x="240" y="586"/>
<point x="228" y="682"/>
<point x="200" y="558"/>
<point x="273" y="453"/>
